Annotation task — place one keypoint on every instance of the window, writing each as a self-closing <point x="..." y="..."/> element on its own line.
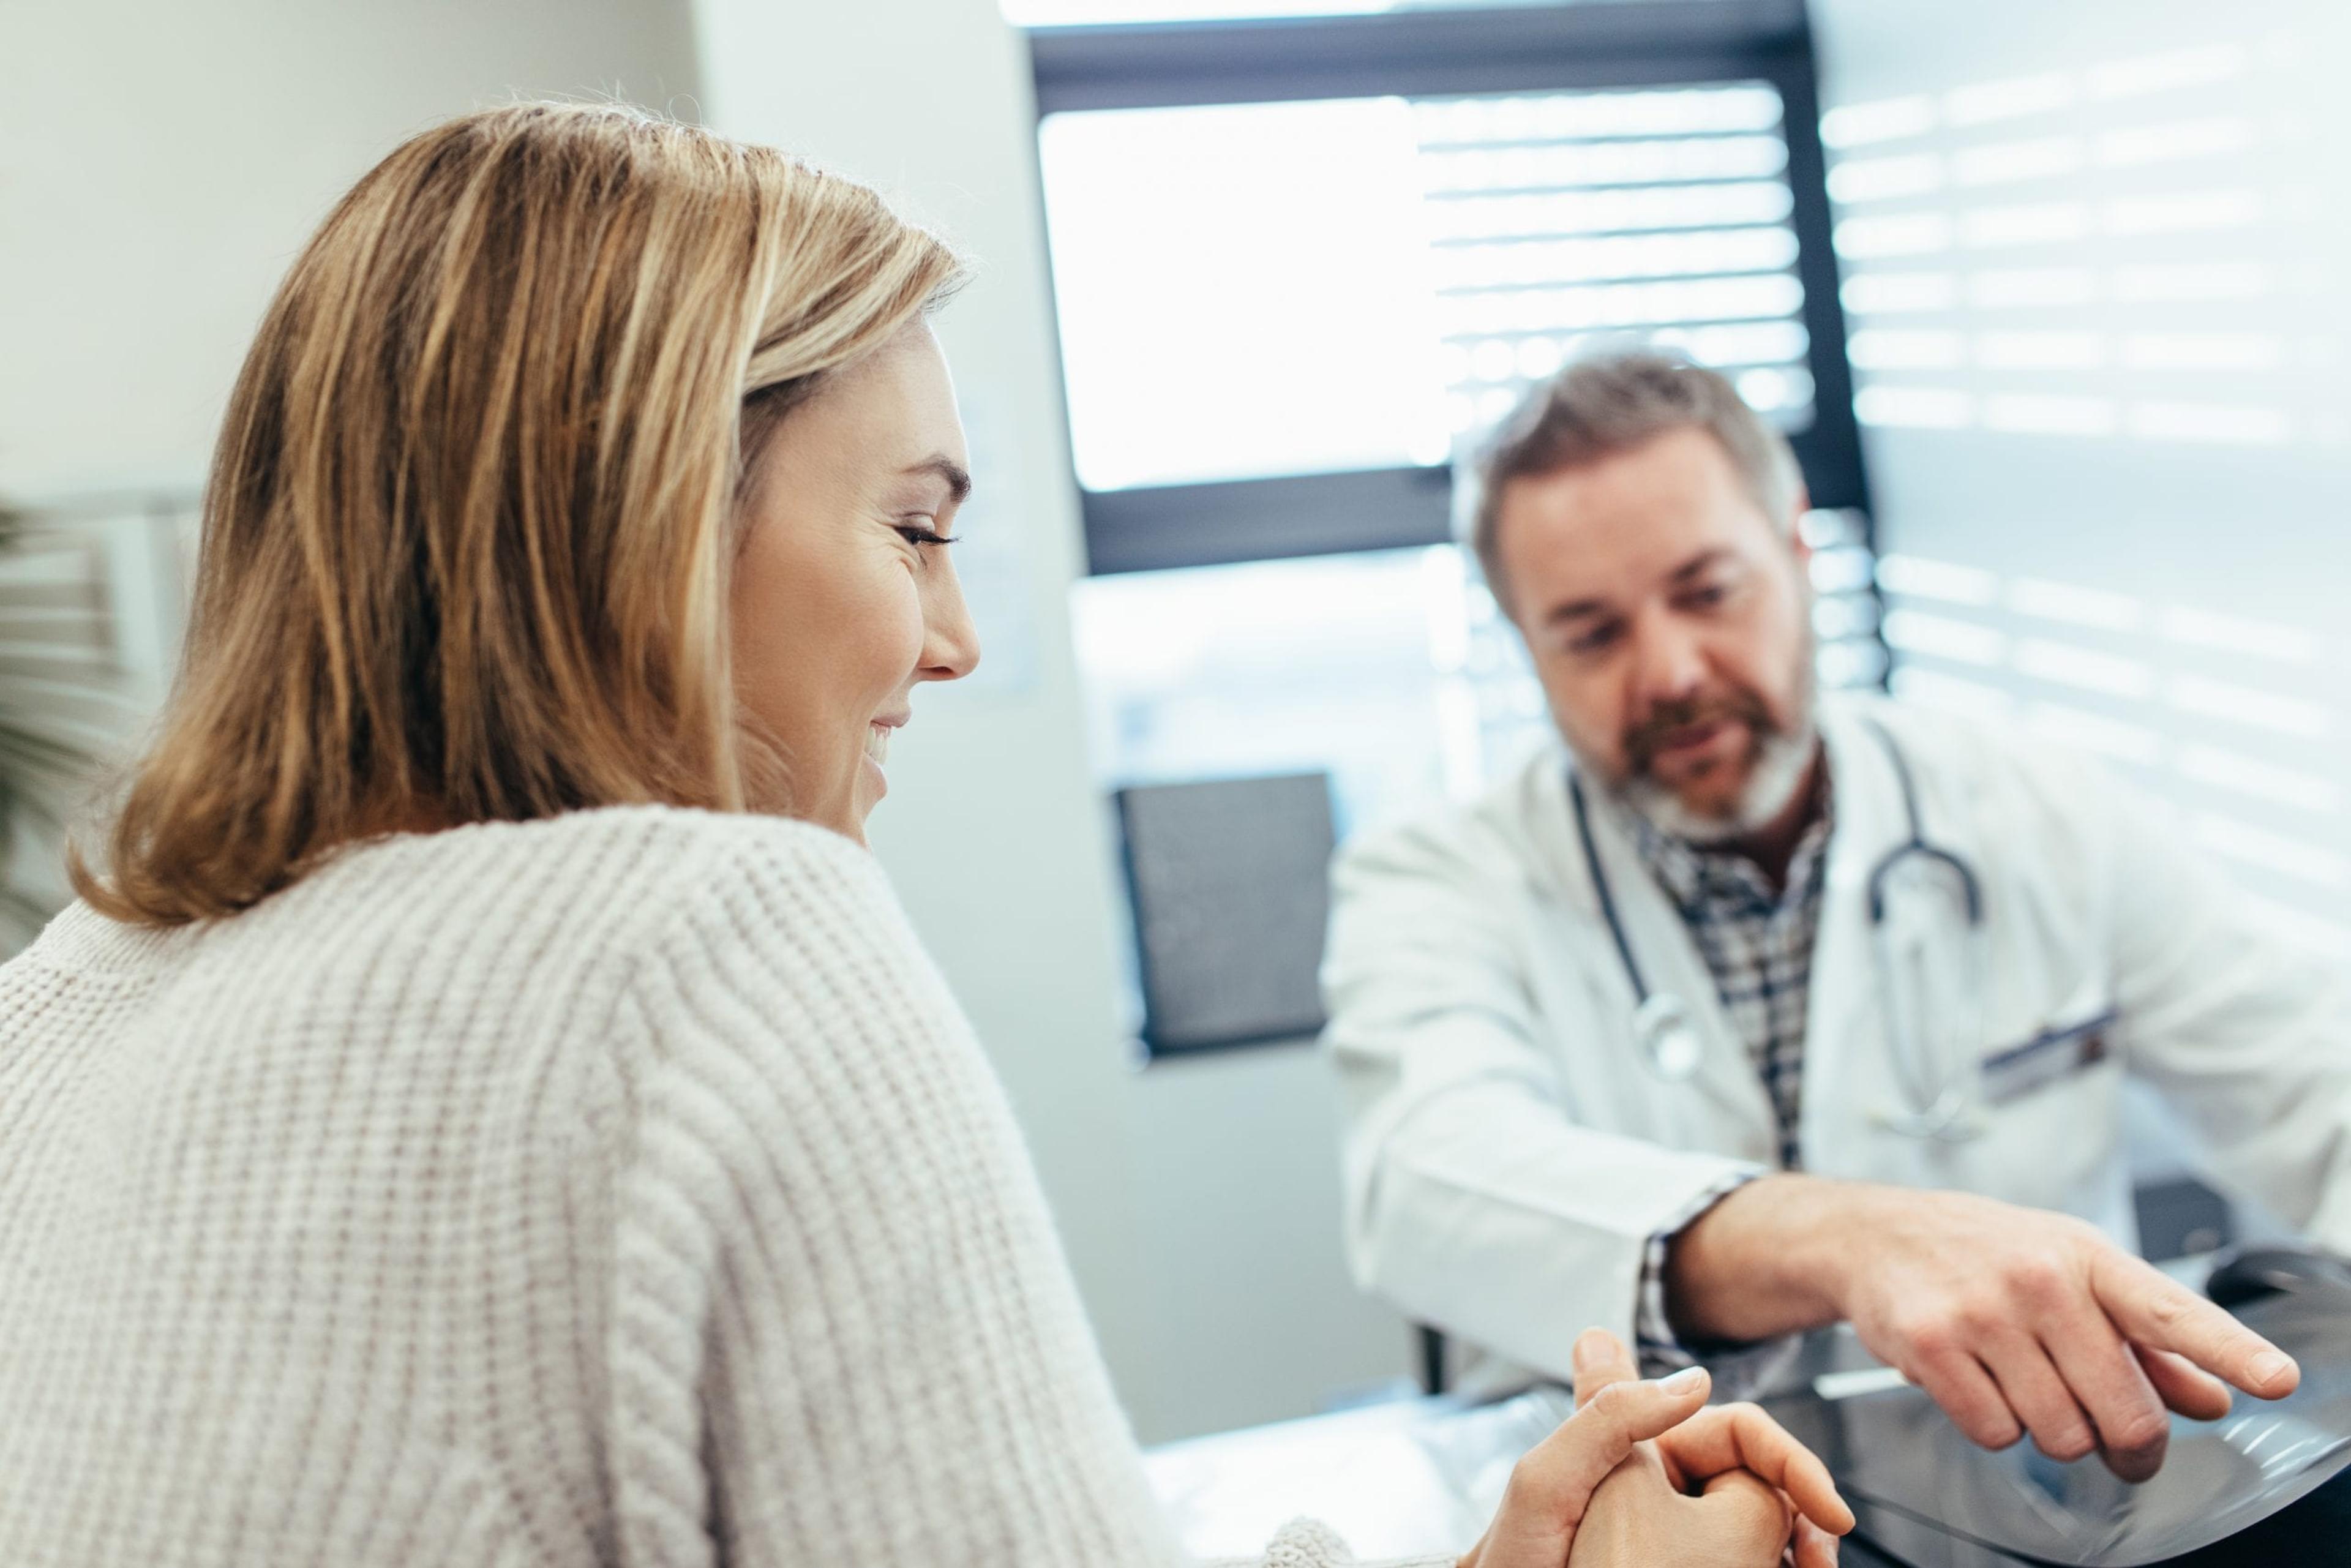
<point x="1297" y="263"/>
<point x="1408" y="267"/>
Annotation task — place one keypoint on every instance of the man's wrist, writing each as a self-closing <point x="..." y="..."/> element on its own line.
<point x="1659" y="1349"/>
<point x="1776" y="1256"/>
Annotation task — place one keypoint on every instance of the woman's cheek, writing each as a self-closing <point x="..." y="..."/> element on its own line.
<point x="901" y="626"/>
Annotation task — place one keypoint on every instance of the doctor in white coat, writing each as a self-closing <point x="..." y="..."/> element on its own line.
<point x="1757" y="1009"/>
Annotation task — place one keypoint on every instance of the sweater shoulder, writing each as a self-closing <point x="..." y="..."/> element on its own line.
<point x="617" y="878"/>
<point x="641" y="850"/>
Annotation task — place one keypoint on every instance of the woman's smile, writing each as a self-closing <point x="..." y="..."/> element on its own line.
<point x="877" y="747"/>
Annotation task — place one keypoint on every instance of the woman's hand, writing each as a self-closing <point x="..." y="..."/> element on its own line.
<point x="1599" y="1487"/>
<point x="1760" y="1496"/>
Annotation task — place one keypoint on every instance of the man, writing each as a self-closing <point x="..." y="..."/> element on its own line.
<point x="1625" y="1044"/>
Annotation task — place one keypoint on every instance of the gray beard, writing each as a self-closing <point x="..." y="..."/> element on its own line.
<point x="1782" y="760"/>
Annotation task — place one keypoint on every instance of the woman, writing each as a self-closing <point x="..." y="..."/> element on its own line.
<point x="486" y="1106"/>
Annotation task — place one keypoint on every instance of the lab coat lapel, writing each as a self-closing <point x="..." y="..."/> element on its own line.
<point x="1670" y="962"/>
<point x="1845" y="1028"/>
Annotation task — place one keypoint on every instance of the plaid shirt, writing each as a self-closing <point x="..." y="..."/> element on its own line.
<point x="1758" y="945"/>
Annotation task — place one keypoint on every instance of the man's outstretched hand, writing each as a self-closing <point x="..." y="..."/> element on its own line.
<point x="2015" y="1321"/>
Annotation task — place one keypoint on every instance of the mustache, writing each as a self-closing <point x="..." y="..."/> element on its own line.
<point x="1644" y="741"/>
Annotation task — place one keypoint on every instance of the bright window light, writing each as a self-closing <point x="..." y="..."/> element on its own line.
<point x="2035" y="223"/>
<point x="1857" y="180"/>
<point x="1907" y="233"/>
<point x="1980" y="103"/>
<point x="1244" y="290"/>
<point x="1893" y="349"/>
<point x="1916" y="631"/>
<point x="1916" y="577"/>
<point x="1260" y="289"/>
<point x="1899" y="292"/>
<point x="2170" y="71"/>
<point x="1604" y="212"/>
<point x="1887" y="119"/>
<point x="2032" y="288"/>
<point x="1098" y="13"/>
<point x="1915" y="408"/>
<point x="2005" y="163"/>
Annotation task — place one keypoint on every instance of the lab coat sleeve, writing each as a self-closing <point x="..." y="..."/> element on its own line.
<point x="2244" y="1027"/>
<point x="1477" y="1200"/>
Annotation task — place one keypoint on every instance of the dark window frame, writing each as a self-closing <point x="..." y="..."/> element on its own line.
<point x="1592" y="45"/>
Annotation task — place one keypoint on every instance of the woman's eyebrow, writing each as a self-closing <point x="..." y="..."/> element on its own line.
<point x="939" y="465"/>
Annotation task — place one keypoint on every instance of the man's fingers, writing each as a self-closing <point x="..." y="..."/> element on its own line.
<point x="2155" y="1310"/>
<point x="2183" y="1385"/>
<point x="1743" y="1438"/>
<point x="1601" y="1359"/>
<point x="2132" y="1426"/>
<point x="1958" y="1382"/>
<point x="2028" y="1380"/>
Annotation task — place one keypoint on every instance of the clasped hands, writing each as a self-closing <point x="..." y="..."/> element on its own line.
<point x="1643" y="1475"/>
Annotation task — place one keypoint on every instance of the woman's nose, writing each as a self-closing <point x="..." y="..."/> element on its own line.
<point x="950" y="641"/>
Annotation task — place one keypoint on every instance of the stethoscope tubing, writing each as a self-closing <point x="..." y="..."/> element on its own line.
<point x="1944" y="1112"/>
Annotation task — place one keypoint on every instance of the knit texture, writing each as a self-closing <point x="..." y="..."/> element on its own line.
<point x="625" y="1188"/>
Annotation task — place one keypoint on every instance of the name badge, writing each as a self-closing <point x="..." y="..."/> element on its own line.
<point x="2051" y="1054"/>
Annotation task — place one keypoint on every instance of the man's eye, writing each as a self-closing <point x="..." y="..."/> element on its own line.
<point x="1591" y="641"/>
<point x="1705" y="598"/>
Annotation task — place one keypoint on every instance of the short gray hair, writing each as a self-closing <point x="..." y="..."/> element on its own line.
<point x="1598" y="407"/>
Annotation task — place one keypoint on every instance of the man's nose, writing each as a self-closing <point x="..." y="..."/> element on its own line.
<point x="1668" y="663"/>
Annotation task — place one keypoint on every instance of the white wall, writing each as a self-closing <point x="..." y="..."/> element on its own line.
<point x="160" y="162"/>
<point x="2115" y="399"/>
<point x="2110" y="460"/>
<point x="1199" y="1201"/>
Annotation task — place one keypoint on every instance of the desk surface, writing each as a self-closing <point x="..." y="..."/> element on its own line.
<point x="2267" y="1486"/>
<point x="1414" y="1476"/>
<point x="1418" y="1476"/>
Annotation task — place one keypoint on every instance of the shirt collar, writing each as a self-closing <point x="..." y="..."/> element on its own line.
<point x="1702" y="879"/>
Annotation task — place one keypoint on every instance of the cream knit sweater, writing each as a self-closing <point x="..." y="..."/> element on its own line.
<point x="625" y="1188"/>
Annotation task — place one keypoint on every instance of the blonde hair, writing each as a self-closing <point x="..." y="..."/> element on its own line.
<point x="467" y="531"/>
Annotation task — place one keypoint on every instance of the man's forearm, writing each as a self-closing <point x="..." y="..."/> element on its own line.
<point x="1769" y="1260"/>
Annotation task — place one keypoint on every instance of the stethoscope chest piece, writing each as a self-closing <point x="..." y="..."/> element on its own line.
<point x="1667" y="1036"/>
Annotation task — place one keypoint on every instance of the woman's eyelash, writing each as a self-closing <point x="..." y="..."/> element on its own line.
<point x="914" y="534"/>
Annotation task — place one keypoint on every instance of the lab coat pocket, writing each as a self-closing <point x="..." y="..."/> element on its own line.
<point x="2052" y="1055"/>
<point x="2052" y="1101"/>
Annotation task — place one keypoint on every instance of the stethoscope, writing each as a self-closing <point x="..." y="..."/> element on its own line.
<point x="1937" y="1106"/>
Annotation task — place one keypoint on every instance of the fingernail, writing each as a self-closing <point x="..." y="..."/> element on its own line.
<point x="1591" y="1349"/>
<point x="2271" y="1366"/>
<point x="1684" y="1381"/>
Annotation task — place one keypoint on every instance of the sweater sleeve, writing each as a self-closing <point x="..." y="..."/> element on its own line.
<point x="843" y="1328"/>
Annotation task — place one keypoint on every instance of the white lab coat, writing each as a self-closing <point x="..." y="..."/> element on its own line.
<point x="1509" y="1150"/>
